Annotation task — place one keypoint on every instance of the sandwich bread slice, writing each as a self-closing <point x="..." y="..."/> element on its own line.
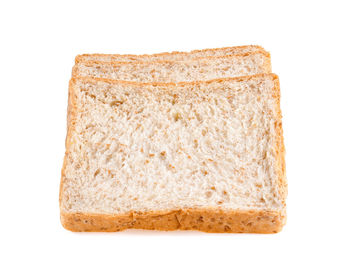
<point x="204" y="155"/>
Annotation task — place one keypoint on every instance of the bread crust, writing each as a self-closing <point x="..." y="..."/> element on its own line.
<point x="205" y="220"/>
<point x="280" y="150"/>
<point x="71" y="117"/>
<point x="82" y="58"/>
<point x="213" y="220"/>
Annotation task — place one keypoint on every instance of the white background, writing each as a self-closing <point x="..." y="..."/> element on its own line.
<point x="309" y="45"/>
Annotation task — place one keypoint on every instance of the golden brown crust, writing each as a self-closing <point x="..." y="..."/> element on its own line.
<point x="205" y="220"/>
<point x="81" y="58"/>
<point x="280" y="150"/>
<point x="268" y="65"/>
<point x="71" y="117"/>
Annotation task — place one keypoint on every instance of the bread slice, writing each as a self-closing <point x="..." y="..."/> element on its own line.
<point x="173" y="56"/>
<point x="206" y="68"/>
<point x="205" y="156"/>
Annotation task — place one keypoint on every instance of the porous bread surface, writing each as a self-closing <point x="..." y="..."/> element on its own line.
<point x="142" y="148"/>
<point x="207" y="68"/>
<point x="235" y="50"/>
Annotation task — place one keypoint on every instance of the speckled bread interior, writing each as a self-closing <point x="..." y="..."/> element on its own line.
<point x="205" y="156"/>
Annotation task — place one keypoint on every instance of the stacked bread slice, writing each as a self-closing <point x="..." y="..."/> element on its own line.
<point x="181" y="140"/>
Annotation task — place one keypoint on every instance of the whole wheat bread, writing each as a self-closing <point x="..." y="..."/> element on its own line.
<point x="205" y="156"/>
<point x="197" y="69"/>
<point x="173" y="56"/>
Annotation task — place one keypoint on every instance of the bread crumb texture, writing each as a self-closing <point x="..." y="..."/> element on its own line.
<point x="205" y="156"/>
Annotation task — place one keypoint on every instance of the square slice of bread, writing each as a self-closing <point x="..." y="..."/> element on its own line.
<point x="205" y="156"/>
<point x="199" y="69"/>
<point x="225" y="51"/>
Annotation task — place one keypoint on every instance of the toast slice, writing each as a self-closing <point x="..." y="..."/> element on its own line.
<point x="205" y="156"/>
<point x="172" y="56"/>
<point x="207" y="68"/>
